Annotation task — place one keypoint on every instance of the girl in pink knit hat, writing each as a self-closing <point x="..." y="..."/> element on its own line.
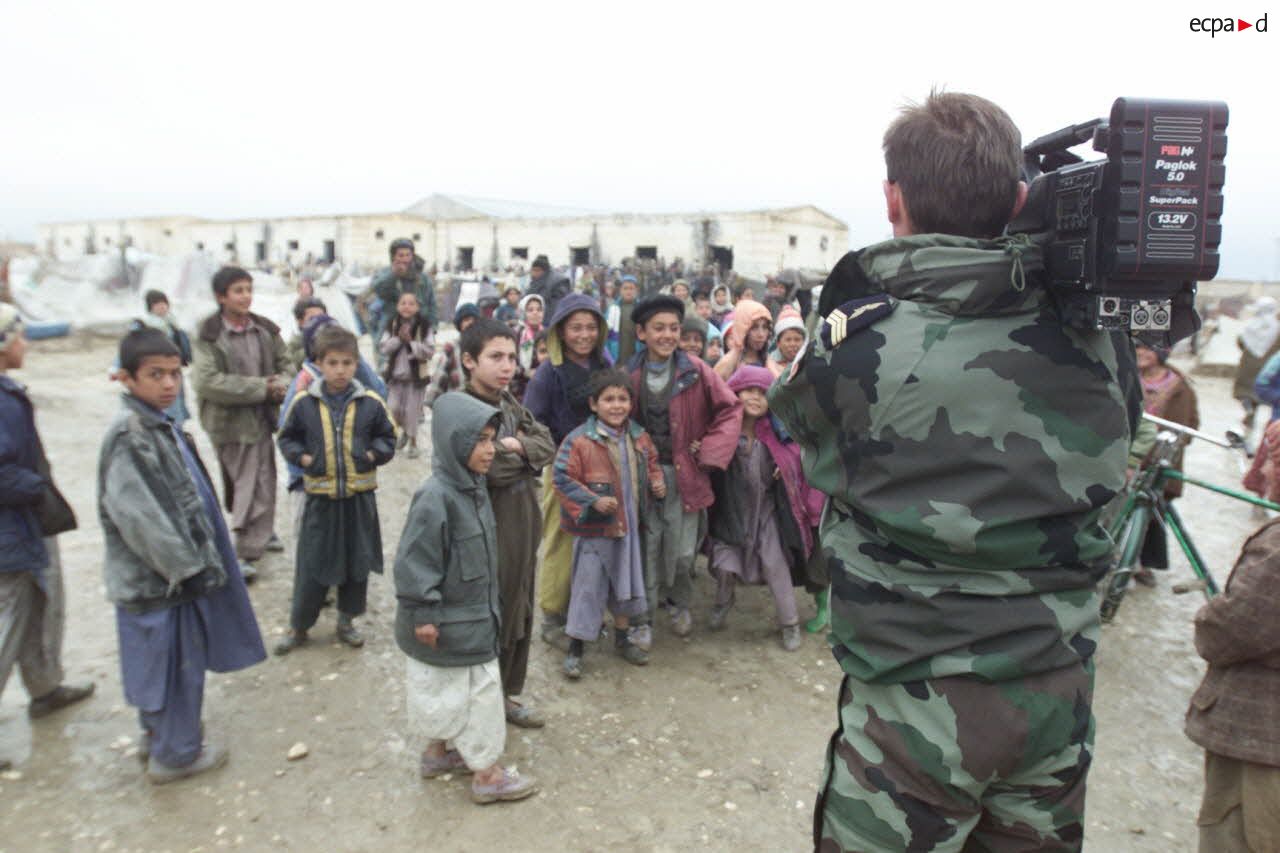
<point x="788" y="339"/>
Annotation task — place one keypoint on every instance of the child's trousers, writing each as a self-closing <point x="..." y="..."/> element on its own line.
<point x="779" y="581"/>
<point x="163" y="657"/>
<point x="309" y="598"/>
<point x="249" y="472"/>
<point x="31" y="625"/>
<point x="671" y="542"/>
<point x="459" y="704"/>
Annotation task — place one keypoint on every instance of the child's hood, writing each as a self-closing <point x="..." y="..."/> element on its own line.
<point x="456" y="421"/>
<point x="532" y="297"/>
<point x="570" y="304"/>
<point x="745" y="314"/>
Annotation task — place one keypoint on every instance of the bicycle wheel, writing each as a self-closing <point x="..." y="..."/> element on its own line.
<point x="1135" y="531"/>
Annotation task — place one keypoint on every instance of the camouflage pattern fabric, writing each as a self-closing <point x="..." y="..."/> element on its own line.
<point x="959" y="764"/>
<point x="968" y="441"/>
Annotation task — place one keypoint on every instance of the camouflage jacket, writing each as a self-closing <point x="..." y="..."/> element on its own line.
<point x="968" y="441"/>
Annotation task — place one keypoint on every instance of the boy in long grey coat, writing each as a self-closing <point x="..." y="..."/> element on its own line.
<point x="181" y="603"/>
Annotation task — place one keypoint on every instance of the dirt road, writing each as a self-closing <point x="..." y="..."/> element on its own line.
<point x="717" y="744"/>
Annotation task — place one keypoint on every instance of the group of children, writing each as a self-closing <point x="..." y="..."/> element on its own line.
<point x="630" y="460"/>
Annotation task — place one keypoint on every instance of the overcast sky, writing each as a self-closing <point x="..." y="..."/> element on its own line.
<point x="255" y="108"/>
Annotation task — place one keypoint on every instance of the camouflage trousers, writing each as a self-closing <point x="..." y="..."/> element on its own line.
<point x="959" y="764"/>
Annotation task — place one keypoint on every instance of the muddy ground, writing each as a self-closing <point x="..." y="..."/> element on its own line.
<point x="717" y="744"/>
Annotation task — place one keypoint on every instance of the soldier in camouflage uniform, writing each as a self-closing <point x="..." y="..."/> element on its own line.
<point x="968" y="442"/>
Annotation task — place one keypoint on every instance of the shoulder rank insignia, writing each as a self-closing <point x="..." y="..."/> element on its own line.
<point x="854" y="315"/>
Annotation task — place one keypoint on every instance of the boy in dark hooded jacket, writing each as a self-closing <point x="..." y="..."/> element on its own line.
<point x="448" y="612"/>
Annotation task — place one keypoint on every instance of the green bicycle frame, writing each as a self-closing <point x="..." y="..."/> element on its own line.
<point x="1147" y="500"/>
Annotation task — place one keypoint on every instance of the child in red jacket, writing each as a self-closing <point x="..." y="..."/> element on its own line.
<point x="600" y="475"/>
<point x="693" y="419"/>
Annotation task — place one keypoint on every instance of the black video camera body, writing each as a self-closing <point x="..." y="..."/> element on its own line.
<point x="1127" y="237"/>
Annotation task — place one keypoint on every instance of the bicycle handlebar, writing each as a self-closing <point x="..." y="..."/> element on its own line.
<point x="1188" y="431"/>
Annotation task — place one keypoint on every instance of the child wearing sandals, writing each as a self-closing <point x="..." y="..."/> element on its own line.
<point x="448" y="609"/>
<point x="600" y="476"/>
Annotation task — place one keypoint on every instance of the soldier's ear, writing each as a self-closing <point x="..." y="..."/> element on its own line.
<point x="896" y="209"/>
<point x="1020" y="200"/>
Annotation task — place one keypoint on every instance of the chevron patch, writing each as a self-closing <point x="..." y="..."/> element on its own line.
<point x="853" y="316"/>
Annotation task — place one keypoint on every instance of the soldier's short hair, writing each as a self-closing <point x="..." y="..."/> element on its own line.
<point x="957" y="160"/>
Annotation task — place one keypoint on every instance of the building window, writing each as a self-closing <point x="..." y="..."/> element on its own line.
<point x="378" y="235"/>
<point x="792" y="240"/>
<point x="417" y="235"/>
<point x="521" y="252"/>
<point x="106" y="241"/>
<point x="823" y="243"/>
<point x="650" y="252"/>
<point x="168" y="232"/>
<point x="200" y="246"/>
<point x="466" y="257"/>
<point x="230" y="247"/>
<point x="293" y="245"/>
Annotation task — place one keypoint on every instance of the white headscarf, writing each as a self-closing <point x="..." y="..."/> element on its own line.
<point x="1261" y="332"/>
<point x="10" y="325"/>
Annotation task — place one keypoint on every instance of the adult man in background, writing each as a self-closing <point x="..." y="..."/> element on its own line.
<point x="551" y="286"/>
<point x="968" y="441"/>
<point x="404" y="275"/>
<point x="32" y="513"/>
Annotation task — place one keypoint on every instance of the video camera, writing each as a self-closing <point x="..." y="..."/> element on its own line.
<point x="1127" y="237"/>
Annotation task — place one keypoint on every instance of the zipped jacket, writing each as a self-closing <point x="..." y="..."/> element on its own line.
<point x="234" y="408"/>
<point x="21" y="485"/>
<point x="446" y="567"/>
<point x="589" y="466"/>
<point x="161" y="546"/>
<point x="702" y="409"/>
<point x="338" y="441"/>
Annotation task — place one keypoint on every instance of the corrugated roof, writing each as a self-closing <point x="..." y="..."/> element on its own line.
<point x="440" y="206"/>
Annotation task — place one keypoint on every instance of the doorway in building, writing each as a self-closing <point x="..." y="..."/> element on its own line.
<point x="330" y="251"/>
<point x="722" y="257"/>
<point x="581" y="255"/>
<point x="650" y="252"/>
<point x="466" y="257"/>
<point x="260" y="252"/>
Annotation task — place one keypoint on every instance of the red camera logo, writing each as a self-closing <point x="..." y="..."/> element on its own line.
<point x="1213" y="26"/>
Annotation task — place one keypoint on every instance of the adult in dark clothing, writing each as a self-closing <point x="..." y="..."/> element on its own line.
<point x="404" y="276"/>
<point x="32" y="512"/>
<point x="551" y="286"/>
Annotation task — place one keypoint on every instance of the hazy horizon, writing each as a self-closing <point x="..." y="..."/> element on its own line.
<point x="140" y="109"/>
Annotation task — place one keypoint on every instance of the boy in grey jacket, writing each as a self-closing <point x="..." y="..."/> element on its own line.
<point x="181" y="603"/>
<point x="448" y="613"/>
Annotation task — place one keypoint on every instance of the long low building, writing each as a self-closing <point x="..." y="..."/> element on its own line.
<point x="464" y="233"/>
